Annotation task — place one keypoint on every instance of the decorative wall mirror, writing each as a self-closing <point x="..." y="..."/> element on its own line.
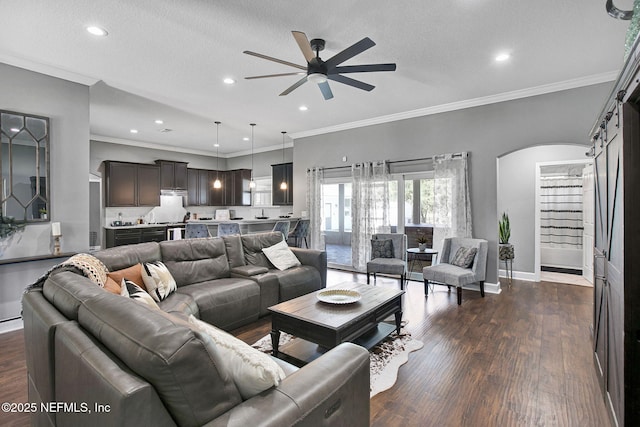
<point x="24" y="166"/>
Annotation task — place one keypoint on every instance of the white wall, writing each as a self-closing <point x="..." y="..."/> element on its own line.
<point x="67" y="106"/>
<point x="486" y="132"/>
<point x="516" y="194"/>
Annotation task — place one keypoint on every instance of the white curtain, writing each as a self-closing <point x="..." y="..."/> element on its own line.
<point x="315" y="178"/>
<point x="369" y="208"/>
<point x="452" y="203"/>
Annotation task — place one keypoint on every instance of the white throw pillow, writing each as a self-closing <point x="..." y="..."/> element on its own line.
<point x="251" y="370"/>
<point x="281" y="256"/>
<point x="130" y="290"/>
<point x="158" y="280"/>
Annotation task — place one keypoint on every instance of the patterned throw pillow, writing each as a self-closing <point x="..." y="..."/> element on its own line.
<point x="158" y="280"/>
<point x="382" y="248"/>
<point x="464" y="257"/>
<point x="131" y="290"/>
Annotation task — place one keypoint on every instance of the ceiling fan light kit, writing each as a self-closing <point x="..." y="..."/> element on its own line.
<point x="319" y="71"/>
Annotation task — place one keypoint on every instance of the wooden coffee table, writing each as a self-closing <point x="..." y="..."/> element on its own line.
<point x="320" y="326"/>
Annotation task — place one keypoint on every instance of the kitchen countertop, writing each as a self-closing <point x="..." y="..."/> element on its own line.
<point x="200" y="221"/>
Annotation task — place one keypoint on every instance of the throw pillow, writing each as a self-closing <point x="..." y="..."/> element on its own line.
<point x="281" y="256"/>
<point x="112" y="286"/>
<point x="382" y="248"/>
<point x="133" y="291"/>
<point x="252" y="370"/>
<point x="158" y="280"/>
<point x="464" y="257"/>
<point x="133" y="273"/>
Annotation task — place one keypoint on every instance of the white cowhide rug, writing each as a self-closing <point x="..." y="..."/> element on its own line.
<point x="386" y="357"/>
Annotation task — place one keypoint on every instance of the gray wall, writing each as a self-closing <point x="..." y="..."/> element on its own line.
<point x="486" y="132"/>
<point x="67" y="105"/>
<point x="516" y="194"/>
<point x="261" y="161"/>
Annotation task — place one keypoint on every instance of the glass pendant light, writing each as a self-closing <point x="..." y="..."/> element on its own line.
<point x="252" y="183"/>
<point x="217" y="183"/>
<point x="283" y="185"/>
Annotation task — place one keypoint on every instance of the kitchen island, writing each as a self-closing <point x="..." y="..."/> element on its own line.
<point x="139" y="233"/>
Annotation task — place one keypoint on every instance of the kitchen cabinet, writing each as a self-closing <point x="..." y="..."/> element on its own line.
<point x="173" y="175"/>
<point x="237" y="190"/>
<point x="217" y="195"/>
<point x="282" y="172"/>
<point x="131" y="184"/>
<point x="131" y="236"/>
<point x="198" y="187"/>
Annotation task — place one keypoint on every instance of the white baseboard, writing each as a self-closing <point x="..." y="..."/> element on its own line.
<point x="489" y="288"/>
<point x="520" y="275"/>
<point x="11" y="325"/>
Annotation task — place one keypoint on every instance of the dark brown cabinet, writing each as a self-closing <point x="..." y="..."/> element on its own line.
<point x="131" y="184"/>
<point x="131" y="236"/>
<point x="217" y="195"/>
<point x="198" y="187"/>
<point x="173" y="175"/>
<point x="282" y="172"/>
<point x="237" y="190"/>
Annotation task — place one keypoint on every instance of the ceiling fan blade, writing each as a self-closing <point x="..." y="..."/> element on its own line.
<point x="351" y="82"/>
<point x="303" y="43"/>
<point x="280" y="61"/>
<point x="362" y="68"/>
<point x="274" y="75"/>
<point x="350" y="52"/>
<point x="326" y="90"/>
<point x="294" y="86"/>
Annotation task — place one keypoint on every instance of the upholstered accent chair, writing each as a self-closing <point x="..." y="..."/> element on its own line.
<point x="300" y="233"/>
<point x="388" y="258"/>
<point x="463" y="261"/>
<point x="193" y="231"/>
<point x="283" y="227"/>
<point x="228" y="228"/>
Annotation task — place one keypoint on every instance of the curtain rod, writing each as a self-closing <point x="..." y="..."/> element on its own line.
<point x="461" y="155"/>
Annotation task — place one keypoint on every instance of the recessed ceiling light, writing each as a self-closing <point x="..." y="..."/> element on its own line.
<point x="303" y="108"/>
<point x="134" y="131"/>
<point x="159" y="122"/>
<point x="216" y="145"/>
<point x="502" y="57"/>
<point x="97" y="31"/>
<point x="245" y="139"/>
<point x="15" y="130"/>
<point x="229" y="81"/>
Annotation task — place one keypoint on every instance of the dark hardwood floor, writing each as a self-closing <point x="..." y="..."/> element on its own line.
<point x="521" y="358"/>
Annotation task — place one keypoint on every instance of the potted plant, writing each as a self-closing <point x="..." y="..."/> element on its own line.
<point x="422" y="242"/>
<point x="505" y="249"/>
<point x="43" y="213"/>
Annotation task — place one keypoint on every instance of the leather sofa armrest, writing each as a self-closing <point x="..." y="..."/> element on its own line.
<point x="331" y="390"/>
<point x="249" y="270"/>
<point x="315" y="258"/>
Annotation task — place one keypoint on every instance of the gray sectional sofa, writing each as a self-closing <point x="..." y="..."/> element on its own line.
<point x="114" y="361"/>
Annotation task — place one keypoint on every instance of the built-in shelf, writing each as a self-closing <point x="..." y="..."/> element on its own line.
<point x="35" y="258"/>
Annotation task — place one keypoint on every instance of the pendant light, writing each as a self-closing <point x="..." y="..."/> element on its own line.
<point x="283" y="185"/>
<point x="252" y="183"/>
<point x="217" y="183"/>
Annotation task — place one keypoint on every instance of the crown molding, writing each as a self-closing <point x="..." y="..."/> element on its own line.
<point x="153" y="145"/>
<point x="469" y="103"/>
<point x="48" y="70"/>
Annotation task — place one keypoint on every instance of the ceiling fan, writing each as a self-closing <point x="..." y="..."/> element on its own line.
<point x="318" y="71"/>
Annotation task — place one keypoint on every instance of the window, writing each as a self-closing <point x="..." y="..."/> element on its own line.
<point x="419" y="200"/>
<point x="262" y="192"/>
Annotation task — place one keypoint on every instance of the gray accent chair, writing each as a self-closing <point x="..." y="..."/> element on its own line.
<point x="228" y="228"/>
<point x="194" y="231"/>
<point x="448" y="274"/>
<point x="300" y="233"/>
<point x="396" y="265"/>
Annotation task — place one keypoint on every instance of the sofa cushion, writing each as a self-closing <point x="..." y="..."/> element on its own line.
<point x="180" y="303"/>
<point x="158" y="280"/>
<point x="164" y="350"/>
<point x="281" y="256"/>
<point x="121" y="257"/>
<point x="449" y="274"/>
<point x="66" y="290"/>
<point x="253" y="244"/>
<point x="251" y="370"/>
<point x="297" y="281"/>
<point x="226" y="303"/>
<point x="235" y="253"/>
<point x="195" y="260"/>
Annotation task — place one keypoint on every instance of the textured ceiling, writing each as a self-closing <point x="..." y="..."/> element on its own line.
<point x="166" y="59"/>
